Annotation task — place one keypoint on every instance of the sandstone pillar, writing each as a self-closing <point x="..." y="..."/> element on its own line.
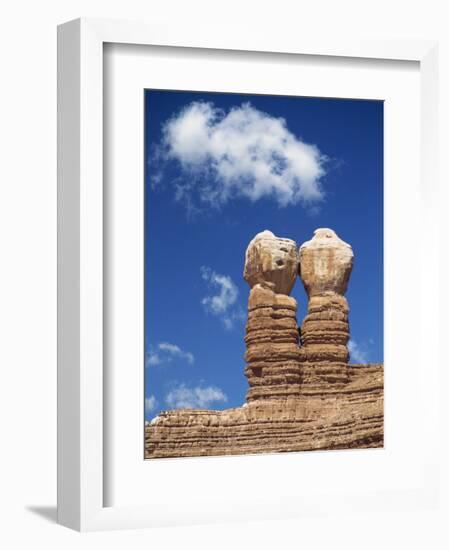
<point x="300" y="398"/>
<point x="325" y="267"/>
<point x="272" y="337"/>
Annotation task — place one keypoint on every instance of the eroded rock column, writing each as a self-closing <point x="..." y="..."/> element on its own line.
<point x="325" y="267"/>
<point x="272" y="337"/>
<point x="300" y="398"/>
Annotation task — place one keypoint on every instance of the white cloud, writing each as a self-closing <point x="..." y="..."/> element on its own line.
<point x="242" y="153"/>
<point x="153" y="359"/>
<point x="223" y="304"/>
<point x="150" y="403"/>
<point x="357" y="355"/>
<point x="175" y="351"/>
<point x="227" y="291"/>
<point x="198" y="397"/>
<point x="166" y="352"/>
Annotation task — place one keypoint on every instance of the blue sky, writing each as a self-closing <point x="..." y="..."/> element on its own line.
<point x="221" y="168"/>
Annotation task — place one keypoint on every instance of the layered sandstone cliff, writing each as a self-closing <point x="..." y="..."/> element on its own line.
<point x="303" y="394"/>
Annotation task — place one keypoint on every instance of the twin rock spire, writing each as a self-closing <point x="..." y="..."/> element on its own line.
<point x="281" y="361"/>
<point x="302" y="393"/>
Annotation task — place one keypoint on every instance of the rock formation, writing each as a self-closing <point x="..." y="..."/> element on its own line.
<point x="271" y="262"/>
<point x="325" y="268"/>
<point x="272" y="337"/>
<point x="302" y="393"/>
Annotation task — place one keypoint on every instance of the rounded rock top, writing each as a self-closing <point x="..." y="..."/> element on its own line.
<point x="325" y="237"/>
<point x="271" y="261"/>
<point x="325" y="262"/>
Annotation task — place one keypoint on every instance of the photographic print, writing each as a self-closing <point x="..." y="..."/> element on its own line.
<point x="263" y="274"/>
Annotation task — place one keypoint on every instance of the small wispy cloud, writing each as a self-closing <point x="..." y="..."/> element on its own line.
<point x="240" y="153"/>
<point x="223" y="303"/>
<point x="227" y="291"/>
<point x="199" y="397"/>
<point x="150" y="403"/>
<point x="357" y="353"/>
<point x="166" y="352"/>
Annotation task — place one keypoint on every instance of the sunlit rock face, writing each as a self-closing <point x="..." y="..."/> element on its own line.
<point x="325" y="267"/>
<point x="272" y="262"/>
<point x="272" y="345"/>
<point x="272" y="336"/>
<point x="325" y="263"/>
<point x="302" y="393"/>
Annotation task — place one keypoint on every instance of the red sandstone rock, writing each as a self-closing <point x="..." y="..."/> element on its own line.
<point x="271" y="261"/>
<point x="302" y="393"/>
<point x="325" y="267"/>
<point x="272" y="342"/>
<point x="325" y="263"/>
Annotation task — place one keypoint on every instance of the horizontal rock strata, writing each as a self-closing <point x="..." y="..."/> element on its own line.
<point x="325" y="267"/>
<point x="347" y="419"/>
<point x="302" y="393"/>
<point x="272" y="338"/>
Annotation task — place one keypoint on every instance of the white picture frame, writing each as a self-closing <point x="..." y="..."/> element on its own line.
<point x="81" y="386"/>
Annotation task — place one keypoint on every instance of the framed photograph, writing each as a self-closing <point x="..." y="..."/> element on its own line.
<point x="245" y="231"/>
<point x="223" y="171"/>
